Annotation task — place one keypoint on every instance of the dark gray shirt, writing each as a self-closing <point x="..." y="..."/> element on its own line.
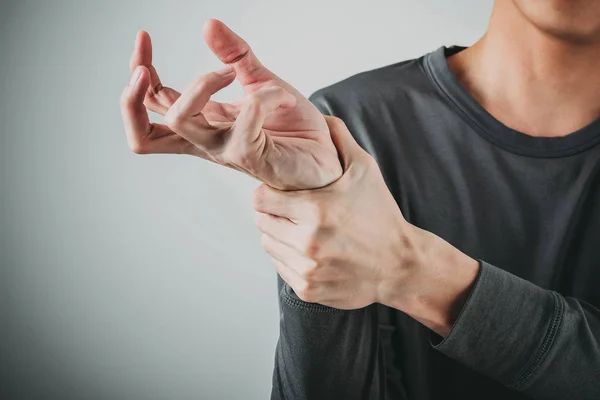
<point x="528" y="208"/>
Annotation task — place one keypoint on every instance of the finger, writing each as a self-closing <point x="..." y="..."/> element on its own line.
<point x="248" y="147"/>
<point x="142" y="136"/>
<point x="286" y="273"/>
<point x="158" y="97"/>
<point x="133" y="111"/>
<point x="277" y="227"/>
<point x="216" y="112"/>
<point x="293" y="261"/>
<point x="232" y="49"/>
<point x="285" y="204"/>
<point x="283" y="230"/>
<point x="255" y="109"/>
<point x="142" y="55"/>
<point x="185" y="116"/>
<point x="347" y="147"/>
<point x="194" y="98"/>
<point x="299" y="285"/>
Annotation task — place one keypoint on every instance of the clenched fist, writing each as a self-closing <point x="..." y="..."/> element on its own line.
<point x="274" y="133"/>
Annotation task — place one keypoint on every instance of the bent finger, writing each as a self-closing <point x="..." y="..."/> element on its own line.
<point x="277" y="227"/>
<point x="133" y="111"/>
<point x="158" y="98"/>
<point x="144" y="137"/>
<point x="292" y="205"/>
<point x="255" y="109"/>
<point x="185" y="116"/>
<point x="232" y="49"/>
<point x="196" y="96"/>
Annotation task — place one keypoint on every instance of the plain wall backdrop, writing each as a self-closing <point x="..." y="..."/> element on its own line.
<point x="142" y="277"/>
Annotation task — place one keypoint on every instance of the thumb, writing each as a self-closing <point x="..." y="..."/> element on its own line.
<point x="348" y="150"/>
<point x="232" y="49"/>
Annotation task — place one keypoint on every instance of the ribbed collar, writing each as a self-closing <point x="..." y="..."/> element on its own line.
<point x="436" y="67"/>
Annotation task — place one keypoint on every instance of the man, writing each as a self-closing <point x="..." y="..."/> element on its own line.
<point x="455" y="254"/>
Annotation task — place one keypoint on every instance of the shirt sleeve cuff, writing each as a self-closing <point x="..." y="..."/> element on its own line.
<point x="505" y="327"/>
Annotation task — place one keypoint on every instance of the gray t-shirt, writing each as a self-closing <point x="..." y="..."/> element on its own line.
<point x="528" y="208"/>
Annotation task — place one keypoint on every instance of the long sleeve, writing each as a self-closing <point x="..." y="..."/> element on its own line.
<point x="528" y="338"/>
<point x="326" y="353"/>
<point x="498" y="195"/>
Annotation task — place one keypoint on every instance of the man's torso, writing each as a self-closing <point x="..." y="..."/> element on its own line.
<point x="528" y="205"/>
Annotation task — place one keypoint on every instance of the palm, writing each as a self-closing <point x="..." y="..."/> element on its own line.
<point x="298" y="140"/>
<point x="296" y="150"/>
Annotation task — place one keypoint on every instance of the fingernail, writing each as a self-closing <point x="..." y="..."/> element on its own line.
<point x="226" y="70"/>
<point x="135" y="76"/>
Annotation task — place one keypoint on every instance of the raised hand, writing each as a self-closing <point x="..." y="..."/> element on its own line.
<point x="274" y="133"/>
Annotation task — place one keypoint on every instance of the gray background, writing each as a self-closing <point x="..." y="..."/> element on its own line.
<point x="141" y="277"/>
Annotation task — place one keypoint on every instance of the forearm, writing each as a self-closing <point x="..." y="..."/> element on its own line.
<point x="326" y="353"/>
<point x="440" y="278"/>
<point x="526" y="337"/>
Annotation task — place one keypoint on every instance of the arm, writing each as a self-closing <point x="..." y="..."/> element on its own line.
<point x="347" y="246"/>
<point x="324" y="352"/>
<point x="273" y="134"/>
<point x="279" y="137"/>
<point x="528" y="338"/>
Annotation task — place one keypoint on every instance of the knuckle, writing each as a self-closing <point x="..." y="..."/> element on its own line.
<point x="312" y="211"/>
<point x="310" y="273"/>
<point x="265" y="243"/>
<point x="137" y="147"/>
<point x="317" y="246"/>
<point x="335" y="122"/>
<point x="312" y="247"/>
<point x="325" y="216"/>
<point x="154" y="90"/>
<point x="305" y="292"/>
<point x="140" y="151"/>
<point x="258" y="199"/>
<point x="277" y="90"/>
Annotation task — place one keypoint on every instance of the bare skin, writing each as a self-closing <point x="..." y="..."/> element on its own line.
<point x="346" y="244"/>
<point x="273" y="134"/>
<point x="536" y="71"/>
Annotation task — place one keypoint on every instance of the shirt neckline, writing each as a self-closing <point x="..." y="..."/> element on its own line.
<point x="438" y="71"/>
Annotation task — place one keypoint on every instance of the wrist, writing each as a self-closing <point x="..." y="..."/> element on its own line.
<point x="430" y="280"/>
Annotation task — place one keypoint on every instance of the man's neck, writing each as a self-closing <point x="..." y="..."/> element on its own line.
<point x="530" y="81"/>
